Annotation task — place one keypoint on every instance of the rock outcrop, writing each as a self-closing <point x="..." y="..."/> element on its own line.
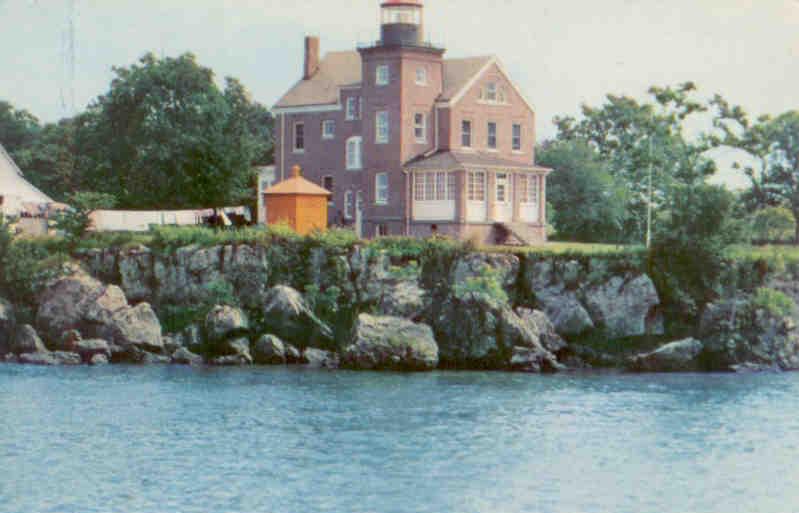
<point x="80" y="302"/>
<point x="320" y="359"/>
<point x="390" y="343"/>
<point x="50" y="358"/>
<point x="623" y="305"/>
<point x="269" y="350"/>
<point x="182" y="356"/>
<point x="7" y="326"/>
<point x="288" y="316"/>
<point x="26" y="340"/>
<point x="679" y="356"/>
<point x="224" y="322"/>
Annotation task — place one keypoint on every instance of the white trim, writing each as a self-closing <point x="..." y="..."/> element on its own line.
<point x="378" y="76"/>
<point x="378" y="201"/>
<point x="307" y="108"/>
<point x="359" y="140"/>
<point x="294" y="137"/>
<point x="493" y="60"/>
<point x="325" y="136"/>
<point x="423" y="126"/>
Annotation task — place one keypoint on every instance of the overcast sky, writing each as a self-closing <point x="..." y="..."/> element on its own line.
<point x="562" y="53"/>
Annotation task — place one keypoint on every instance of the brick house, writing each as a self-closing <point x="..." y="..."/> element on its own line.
<point x="410" y="143"/>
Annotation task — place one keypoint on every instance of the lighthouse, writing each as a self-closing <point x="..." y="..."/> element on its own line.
<point x="402" y="22"/>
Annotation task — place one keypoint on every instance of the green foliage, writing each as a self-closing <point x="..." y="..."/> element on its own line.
<point x="76" y="221"/>
<point x="773" y="224"/>
<point x="488" y="284"/>
<point x="582" y="179"/>
<point x="175" y="318"/>
<point x="633" y="138"/>
<point x="27" y="267"/>
<point x="773" y="301"/>
<point x="687" y="258"/>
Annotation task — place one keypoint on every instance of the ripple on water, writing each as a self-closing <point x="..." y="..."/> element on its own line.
<point x="144" y="440"/>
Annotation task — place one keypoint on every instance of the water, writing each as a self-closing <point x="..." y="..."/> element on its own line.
<point x="166" y="439"/>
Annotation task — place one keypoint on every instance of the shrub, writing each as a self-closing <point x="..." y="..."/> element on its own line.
<point x="27" y="267"/>
<point x="773" y="224"/>
<point x="773" y="301"/>
<point x="76" y="221"/>
<point x="487" y="284"/>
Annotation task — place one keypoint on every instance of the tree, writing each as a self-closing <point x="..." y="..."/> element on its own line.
<point x="638" y="138"/>
<point x="18" y="128"/>
<point x="588" y="203"/>
<point x="77" y="220"/>
<point x="165" y="136"/>
<point x="773" y="224"/>
<point x="771" y="146"/>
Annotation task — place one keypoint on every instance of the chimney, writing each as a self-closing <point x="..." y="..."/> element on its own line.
<point x="311" y="57"/>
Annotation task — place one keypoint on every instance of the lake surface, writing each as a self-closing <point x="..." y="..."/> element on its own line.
<point x="168" y="439"/>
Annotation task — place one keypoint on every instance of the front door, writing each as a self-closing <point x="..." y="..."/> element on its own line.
<point x="503" y="198"/>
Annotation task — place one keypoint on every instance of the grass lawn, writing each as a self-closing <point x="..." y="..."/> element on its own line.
<point x="767" y="253"/>
<point x="570" y="248"/>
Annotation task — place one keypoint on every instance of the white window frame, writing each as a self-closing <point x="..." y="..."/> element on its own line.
<point x="381" y="189"/>
<point x="348" y="200"/>
<point x="382" y="75"/>
<point x="328" y="123"/>
<point x="298" y="124"/>
<point x="420" y="127"/>
<point x="351" y="110"/>
<point x="382" y="131"/>
<point x="477" y="184"/>
<point x="354" y="163"/>
<point x="434" y="186"/>
<point x="516" y="140"/>
<point x="528" y="189"/>
<point x="503" y="184"/>
<point x="490" y="136"/>
<point x="491" y="92"/>
<point x="421" y="76"/>
<point x="469" y="134"/>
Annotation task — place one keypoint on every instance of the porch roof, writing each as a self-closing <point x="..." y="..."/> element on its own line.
<point x="452" y="161"/>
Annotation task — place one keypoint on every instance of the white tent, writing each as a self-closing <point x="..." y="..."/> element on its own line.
<point x="15" y="191"/>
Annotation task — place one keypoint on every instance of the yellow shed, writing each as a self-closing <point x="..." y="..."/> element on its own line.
<point x="297" y="202"/>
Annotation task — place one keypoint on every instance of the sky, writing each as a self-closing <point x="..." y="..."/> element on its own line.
<point x="56" y="55"/>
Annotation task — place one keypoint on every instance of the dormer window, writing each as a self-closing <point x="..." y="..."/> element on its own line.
<point x="421" y="76"/>
<point x="382" y="75"/>
<point x="492" y="93"/>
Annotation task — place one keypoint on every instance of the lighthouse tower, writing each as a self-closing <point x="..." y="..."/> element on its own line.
<point x="402" y="22"/>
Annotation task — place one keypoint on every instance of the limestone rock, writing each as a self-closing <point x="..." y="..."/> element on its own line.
<point x="223" y="322"/>
<point x="269" y="350"/>
<point x="403" y="299"/>
<point x="48" y="358"/>
<point x="623" y="305"/>
<point x="287" y="315"/>
<point x="564" y="309"/>
<point x="183" y="356"/>
<point x="320" y="359"/>
<point x="88" y="349"/>
<point x="542" y="327"/>
<point x="680" y="356"/>
<point x="137" y="326"/>
<point x="391" y="343"/>
<point x="26" y="340"/>
<point x="99" y="359"/>
<point x="475" y="265"/>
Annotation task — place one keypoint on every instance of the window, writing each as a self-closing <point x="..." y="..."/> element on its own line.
<point x="382" y="75"/>
<point x="502" y="187"/>
<point x="528" y="189"/>
<point x="477" y="186"/>
<point x="299" y="137"/>
<point x="491" y="92"/>
<point x="348" y="205"/>
<point x="352" y="108"/>
<point x="434" y="186"/>
<point x="381" y="189"/>
<point x="466" y="134"/>
<point x="327" y="182"/>
<point x="381" y="127"/>
<point x="354" y="160"/>
<point x="492" y="135"/>
<point x="328" y="129"/>
<point x="420" y="127"/>
<point x="421" y="76"/>
<point x="381" y="230"/>
<point x="517" y="137"/>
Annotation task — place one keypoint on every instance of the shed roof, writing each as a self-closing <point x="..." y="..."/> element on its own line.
<point x="297" y="186"/>
<point x="450" y="160"/>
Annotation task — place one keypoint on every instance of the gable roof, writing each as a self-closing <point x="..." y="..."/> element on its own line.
<point x="297" y="185"/>
<point x="13" y="183"/>
<point x="341" y="69"/>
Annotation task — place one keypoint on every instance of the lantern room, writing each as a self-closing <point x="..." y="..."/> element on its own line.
<point x="401" y="22"/>
<point x="297" y="202"/>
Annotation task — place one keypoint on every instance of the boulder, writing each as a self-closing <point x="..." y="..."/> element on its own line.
<point x="224" y="322"/>
<point x="82" y="303"/>
<point x="99" y="359"/>
<point x="232" y="352"/>
<point x="172" y="343"/>
<point x="623" y="305"/>
<point x="183" y="356"/>
<point x="88" y="349"/>
<point x="680" y="356"/>
<point x="527" y="353"/>
<point x="542" y="327"/>
<point x="269" y="350"/>
<point x="136" y="275"/>
<point x="293" y="355"/>
<point x="738" y="337"/>
<point x="475" y="265"/>
<point x="68" y="341"/>
<point x="320" y="359"/>
<point x="391" y="343"/>
<point x="564" y="309"/>
<point x="237" y="360"/>
<point x="50" y="358"/>
<point x="404" y="298"/>
<point x="7" y="326"/>
<point x="287" y="315"/>
<point x="26" y="340"/>
<point x="154" y="359"/>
